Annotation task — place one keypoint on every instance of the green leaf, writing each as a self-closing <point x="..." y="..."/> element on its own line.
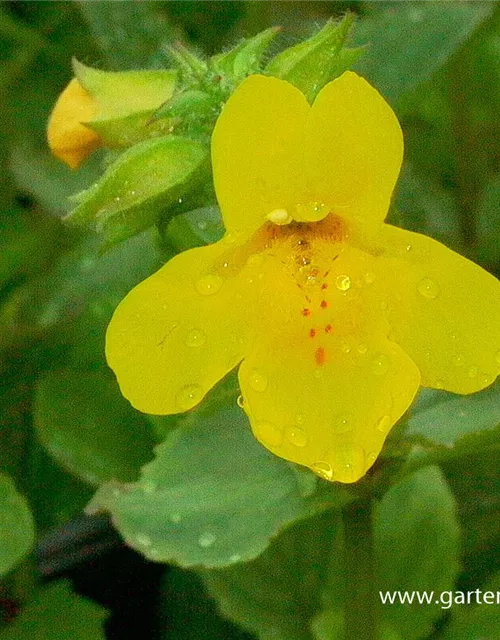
<point x="417" y="548"/>
<point x="131" y="35"/>
<point x="195" y="228"/>
<point x="479" y="621"/>
<point x="329" y="625"/>
<point x="213" y="496"/>
<point x="16" y="525"/>
<point x="89" y="428"/>
<point x="276" y="595"/>
<point x="409" y="41"/>
<point x="245" y="58"/>
<point x="488" y="224"/>
<point x="459" y="425"/>
<point x="143" y="182"/>
<point x="311" y="64"/>
<point x="56" y="612"/>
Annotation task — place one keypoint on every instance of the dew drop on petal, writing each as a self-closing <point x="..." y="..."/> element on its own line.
<point x="371" y="458"/>
<point x="188" y="396"/>
<point x="345" y="347"/>
<point x="240" y="402"/>
<point x="349" y="462"/>
<point x="458" y="361"/>
<point x="279" y="216"/>
<point x="380" y="364"/>
<point x="207" y="539"/>
<point x="384" y="424"/>
<point x="208" y="285"/>
<point x="257" y="380"/>
<point x="323" y="470"/>
<point x="486" y="379"/>
<point x="428" y="288"/>
<point x="268" y="433"/>
<point x="343" y="423"/>
<point x="472" y="372"/>
<point x="343" y="283"/>
<point x="296" y="436"/>
<point x="362" y="348"/>
<point x="196" y="338"/>
<point x="369" y="277"/>
<point x="439" y="384"/>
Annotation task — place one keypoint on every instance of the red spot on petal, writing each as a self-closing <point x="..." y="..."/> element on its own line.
<point x="306" y="312"/>
<point x="312" y="333"/>
<point x="320" y="356"/>
<point x="323" y="304"/>
<point x="324" y="285"/>
<point x="328" y="328"/>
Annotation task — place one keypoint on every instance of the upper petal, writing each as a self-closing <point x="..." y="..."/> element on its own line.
<point x="180" y="331"/>
<point x="354" y="150"/>
<point x="321" y="382"/>
<point x="443" y="309"/>
<point x="257" y="152"/>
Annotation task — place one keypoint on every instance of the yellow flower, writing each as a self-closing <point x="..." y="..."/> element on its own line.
<point x="334" y="318"/>
<point x="68" y="137"/>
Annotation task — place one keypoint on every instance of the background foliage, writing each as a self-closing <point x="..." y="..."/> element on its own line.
<point x="265" y="539"/>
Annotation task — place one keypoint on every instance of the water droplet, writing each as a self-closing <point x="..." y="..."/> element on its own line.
<point x="323" y="470"/>
<point x="207" y="539"/>
<point x="369" y="277"/>
<point x="343" y="423"/>
<point x="345" y="347"/>
<point x="349" y="463"/>
<point x="380" y="364"/>
<point x="428" y="288"/>
<point x="362" y="348"/>
<point x="472" y="372"/>
<point x="255" y="260"/>
<point x="240" y="402"/>
<point x="175" y="518"/>
<point x="208" y="285"/>
<point x="486" y="379"/>
<point x="279" y="217"/>
<point x="458" y="361"/>
<point x="371" y="458"/>
<point x="268" y="434"/>
<point x="409" y="247"/>
<point x="299" y="419"/>
<point x="311" y="212"/>
<point x="188" y="396"/>
<point x="143" y="540"/>
<point x="497" y="356"/>
<point x="384" y="424"/>
<point x="257" y="380"/>
<point x="343" y="283"/>
<point x="296" y="436"/>
<point x="439" y="384"/>
<point x="196" y="338"/>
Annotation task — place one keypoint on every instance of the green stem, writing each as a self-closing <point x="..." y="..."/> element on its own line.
<point x="360" y="609"/>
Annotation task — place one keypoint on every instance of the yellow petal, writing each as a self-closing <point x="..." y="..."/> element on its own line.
<point x="69" y="139"/>
<point x="181" y="330"/>
<point x="443" y="309"/>
<point x="256" y="152"/>
<point x="354" y="149"/>
<point x="322" y="384"/>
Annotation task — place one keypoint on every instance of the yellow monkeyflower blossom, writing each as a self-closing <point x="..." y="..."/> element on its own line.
<point x="334" y="318"/>
<point x="68" y="137"/>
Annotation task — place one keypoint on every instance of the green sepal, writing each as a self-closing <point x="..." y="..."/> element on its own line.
<point x="313" y="63"/>
<point x="139" y="186"/>
<point x="126" y="101"/>
<point x="245" y="58"/>
<point x="190" y="65"/>
<point x="191" y="113"/>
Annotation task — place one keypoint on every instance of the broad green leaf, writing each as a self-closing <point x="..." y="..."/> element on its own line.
<point x="408" y="41"/>
<point x="417" y="548"/>
<point x="309" y="65"/>
<point x="89" y="428"/>
<point x="277" y="595"/>
<point x="130" y="34"/>
<point x="55" y="612"/>
<point x="459" y="424"/>
<point x="16" y="525"/>
<point x="195" y="228"/>
<point x="213" y="496"/>
<point x="142" y="183"/>
<point x="488" y="223"/>
<point x="479" y="621"/>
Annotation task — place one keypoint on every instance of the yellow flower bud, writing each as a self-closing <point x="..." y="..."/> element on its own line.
<point x="68" y="137"/>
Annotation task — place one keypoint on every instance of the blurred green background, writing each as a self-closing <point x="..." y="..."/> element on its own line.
<point x="64" y="428"/>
